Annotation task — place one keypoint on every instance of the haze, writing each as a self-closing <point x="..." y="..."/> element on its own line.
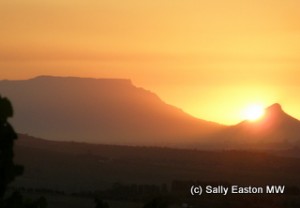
<point x="210" y="58"/>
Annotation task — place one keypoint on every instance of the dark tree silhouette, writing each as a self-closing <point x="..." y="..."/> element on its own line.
<point x="7" y="136"/>
<point x="8" y="169"/>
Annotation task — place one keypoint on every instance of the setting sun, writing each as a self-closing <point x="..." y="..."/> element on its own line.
<point x="254" y="112"/>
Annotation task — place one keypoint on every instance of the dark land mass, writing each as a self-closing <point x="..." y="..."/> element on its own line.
<point x="112" y="171"/>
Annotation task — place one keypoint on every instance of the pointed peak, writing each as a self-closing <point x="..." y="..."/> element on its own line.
<point x="275" y="110"/>
<point x="276" y="107"/>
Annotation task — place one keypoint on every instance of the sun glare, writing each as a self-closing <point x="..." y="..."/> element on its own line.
<point x="254" y="112"/>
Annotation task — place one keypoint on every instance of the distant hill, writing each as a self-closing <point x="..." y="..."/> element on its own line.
<point x="75" y="167"/>
<point x="276" y="129"/>
<point x="111" y="111"/>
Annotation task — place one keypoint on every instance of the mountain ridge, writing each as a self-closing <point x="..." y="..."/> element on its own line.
<point x="275" y="129"/>
<point x="114" y="111"/>
<point x="99" y="111"/>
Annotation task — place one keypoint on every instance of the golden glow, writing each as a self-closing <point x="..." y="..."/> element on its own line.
<point x="254" y="112"/>
<point x="209" y="58"/>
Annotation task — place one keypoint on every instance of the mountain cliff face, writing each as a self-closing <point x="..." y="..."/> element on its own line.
<point x="109" y="111"/>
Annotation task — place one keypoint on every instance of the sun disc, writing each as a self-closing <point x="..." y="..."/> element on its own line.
<point x="254" y="112"/>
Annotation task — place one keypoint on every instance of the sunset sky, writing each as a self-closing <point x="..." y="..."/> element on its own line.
<point x="210" y="58"/>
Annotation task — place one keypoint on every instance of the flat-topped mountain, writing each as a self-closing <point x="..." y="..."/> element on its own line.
<point x="111" y="111"/>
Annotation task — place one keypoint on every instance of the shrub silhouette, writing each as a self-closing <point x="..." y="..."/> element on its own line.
<point x="100" y="203"/>
<point x="8" y="169"/>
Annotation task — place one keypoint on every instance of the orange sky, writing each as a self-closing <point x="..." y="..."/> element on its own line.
<point x="210" y="58"/>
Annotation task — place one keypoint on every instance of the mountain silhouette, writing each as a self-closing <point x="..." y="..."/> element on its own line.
<point x="275" y="129"/>
<point x="111" y="111"/>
